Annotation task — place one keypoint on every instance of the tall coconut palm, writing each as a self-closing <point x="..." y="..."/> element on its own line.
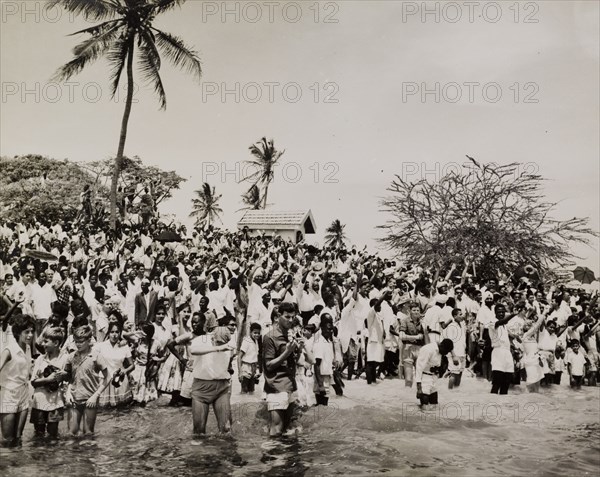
<point x="265" y="159"/>
<point x="335" y="235"/>
<point x="206" y="206"/>
<point x="126" y="31"/>
<point x="251" y="199"/>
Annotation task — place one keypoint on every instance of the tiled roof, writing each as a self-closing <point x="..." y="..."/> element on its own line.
<point x="275" y="218"/>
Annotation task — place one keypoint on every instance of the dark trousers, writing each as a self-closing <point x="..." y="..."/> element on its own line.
<point x="557" y="376"/>
<point x="500" y="382"/>
<point x="371" y="371"/>
<point x="321" y="399"/>
<point x="392" y="360"/>
<point x="248" y="385"/>
<point x="428" y="399"/>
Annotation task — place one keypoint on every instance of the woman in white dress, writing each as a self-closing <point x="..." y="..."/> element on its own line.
<point x="119" y="363"/>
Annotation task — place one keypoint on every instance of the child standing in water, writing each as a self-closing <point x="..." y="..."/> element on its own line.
<point x="48" y="404"/>
<point x="85" y="367"/>
<point x="576" y="362"/>
<point x="248" y="359"/>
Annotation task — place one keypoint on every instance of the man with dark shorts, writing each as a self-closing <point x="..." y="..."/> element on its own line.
<point x="279" y="365"/>
<point x="212" y="381"/>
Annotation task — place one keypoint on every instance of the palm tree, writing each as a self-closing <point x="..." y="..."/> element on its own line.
<point x="206" y="206"/>
<point x="251" y="199"/>
<point x="126" y="25"/>
<point x="265" y="159"/>
<point x="335" y="236"/>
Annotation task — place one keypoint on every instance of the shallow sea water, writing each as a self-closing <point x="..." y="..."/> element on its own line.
<point x="371" y="430"/>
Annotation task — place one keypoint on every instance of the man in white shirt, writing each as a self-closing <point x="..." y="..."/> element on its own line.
<point x="427" y="370"/>
<point x="432" y="319"/>
<point x="212" y="381"/>
<point x="42" y="296"/>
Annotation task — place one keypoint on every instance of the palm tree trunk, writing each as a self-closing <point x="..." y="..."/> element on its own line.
<point x="123" y="137"/>
<point x="265" y="198"/>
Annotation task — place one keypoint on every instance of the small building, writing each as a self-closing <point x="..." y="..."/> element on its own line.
<point x="290" y="225"/>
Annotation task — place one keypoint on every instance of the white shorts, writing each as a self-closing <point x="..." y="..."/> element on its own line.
<point x="14" y="400"/>
<point x="280" y="401"/>
<point x="428" y="383"/>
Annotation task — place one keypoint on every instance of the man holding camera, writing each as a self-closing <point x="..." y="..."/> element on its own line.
<point x="279" y="364"/>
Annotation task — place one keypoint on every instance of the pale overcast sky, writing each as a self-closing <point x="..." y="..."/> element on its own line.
<point x="361" y="116"/>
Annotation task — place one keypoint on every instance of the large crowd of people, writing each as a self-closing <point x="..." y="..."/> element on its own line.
<point x="94" y="319"/>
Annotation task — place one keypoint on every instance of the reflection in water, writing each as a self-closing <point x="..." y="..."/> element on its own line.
<point x="283" y="456"/>
<point x="472" y="433"/>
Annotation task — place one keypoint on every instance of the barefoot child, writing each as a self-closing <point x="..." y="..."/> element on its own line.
<point x="248" y="359"/>
<point x="85" y="367"/>
<point x="48" y="405"/>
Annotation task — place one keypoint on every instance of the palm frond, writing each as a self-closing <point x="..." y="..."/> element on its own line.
<point x="178" y="53"/>
<point x="90" y="9"/>
<point x="149" y="62"/>
<point x="161" y="6"/>
<point x="117" y="57"/>
<point x="85" y="53"/>
<point x="100" y="28"/>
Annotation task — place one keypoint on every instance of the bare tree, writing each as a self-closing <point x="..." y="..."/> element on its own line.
<point x="490" y="217"/>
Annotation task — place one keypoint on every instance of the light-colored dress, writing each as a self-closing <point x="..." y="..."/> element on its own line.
<point x="115" y="359"/>
<point x="142" y="390"/>
<point x="531" y="360"/>
<point x="14" y="380"/>
<point x="169" y="376"/>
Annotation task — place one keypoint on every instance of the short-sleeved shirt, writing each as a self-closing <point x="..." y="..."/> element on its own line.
<point x="115" y="356"/>
<point x="86" y="374"/>
<point x="209" y="366"/>
<point x="577" y="362"/>
<point x="283" y="378"/>
<point x="250" y="349"/>
<point x="323" y="350"/>
<point x="43" y="398"/>
<point x="409" y="327"/>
